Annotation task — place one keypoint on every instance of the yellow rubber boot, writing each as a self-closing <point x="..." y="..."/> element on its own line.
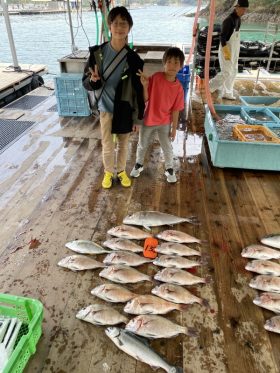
<point x="107" y="180"/>
<point x="124" y="179"/>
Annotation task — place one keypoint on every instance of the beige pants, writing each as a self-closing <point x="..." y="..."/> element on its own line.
<point x="108" y="145"/>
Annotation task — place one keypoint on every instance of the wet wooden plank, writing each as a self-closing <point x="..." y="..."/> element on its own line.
<point x="51" y="191"/>
<point x="238" y="309"/>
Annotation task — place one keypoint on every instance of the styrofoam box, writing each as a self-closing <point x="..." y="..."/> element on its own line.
<point x="238" y="154"/>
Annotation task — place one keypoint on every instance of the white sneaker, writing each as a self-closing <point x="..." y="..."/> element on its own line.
<point x="170" y="175"/>
<point x="229" y="97"/>
<point x="136" y="171"/>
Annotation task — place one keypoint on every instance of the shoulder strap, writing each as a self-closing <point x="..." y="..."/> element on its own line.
<point x="114" y="64"/>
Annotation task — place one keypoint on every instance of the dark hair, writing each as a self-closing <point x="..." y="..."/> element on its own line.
<point x="122" y="12"/>
<point x="173" y="52"/>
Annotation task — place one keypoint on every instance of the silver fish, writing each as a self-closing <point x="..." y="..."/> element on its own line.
<point x="264" y="267"/>
<point x="113" y="293"/>
<point x="126" y="258"/>
<point x="154" y="326"/>
<point x="272" y="240"/>
<point x="170" y="261"/>
<point x="98" y="314"/>
<point x="260" y="252"/>
<point x="177" y="236"/>
<point x="149" y="304"/>
<point x="266" y="283"/>
<point x="126" y="231"/>
<point x="177" y="294"/>
<point x="156" y="218"/>
<point x="137" y="348"/>
<point x="172" y="248"/>
<point x="178" y="277"/>
<point x="273" y="324"/>
<point x="123" y="274"/>
<point x="123" y="244"/>
<point x="79" y="263"/>
<point x="270" y="301"/>
<point x="86" y="247"/>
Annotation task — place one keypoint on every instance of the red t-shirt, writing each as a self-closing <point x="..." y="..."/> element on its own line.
<point x="164" y="98"/>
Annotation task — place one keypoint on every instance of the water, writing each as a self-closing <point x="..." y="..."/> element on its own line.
<point x="43" y="39"/>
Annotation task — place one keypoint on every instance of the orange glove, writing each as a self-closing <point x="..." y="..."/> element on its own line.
<point x="226" y="53"/>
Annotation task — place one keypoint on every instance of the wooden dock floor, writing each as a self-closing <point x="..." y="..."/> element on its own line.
<point x="50" y="193"/>
<point x="10" y="79"/>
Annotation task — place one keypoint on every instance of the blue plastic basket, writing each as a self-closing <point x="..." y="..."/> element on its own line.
<point x="248" y="113"/>
<point x="72" y="98"/>
<point x="261" y="100"/>
<point x="73" y="106"/>
<point x="239" y="154"/>
<point x="184" y="77"/>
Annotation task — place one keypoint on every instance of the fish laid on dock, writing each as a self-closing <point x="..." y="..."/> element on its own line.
<point x="266" y="283"/>
<point x="154" y="326"/>
<point x="113" y="293"/>
<point x="273" y="324"/>
<point x="270" y="301"/>
<point x="126" y="231"/>
<point x="125" y="258"/>
<point x="169" y="261"/>
<point x="264" y="267"/>
<point x="177" y="294"/>
<point x="260" y="252"/>
<point x="150" y="304"/>
<point x="272" y="240"/>
<point x="178" y="277"/>
<point x="98" y="314"/>
<point x="172" y="248"/>
<point x="86" y="247"/>
<point x="79" y="263"/>
<point x="137" y="348"/>
<point x="156" y="218"/>
<point x="177" y="236"/>
<point x="123" y="244"/>
<point x="123" y="274"/>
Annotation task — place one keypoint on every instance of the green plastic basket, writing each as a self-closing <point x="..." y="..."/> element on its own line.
<point x="30" y="312"/>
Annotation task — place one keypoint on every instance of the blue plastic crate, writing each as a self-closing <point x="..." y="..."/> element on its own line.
<point x="264" y="116"/>
<point x="261" y="100"/>
<point x="239" y="154"/>
<point x="73" y="106"/>
<point x="72" y="98"/>
<point x="69" y="85"/>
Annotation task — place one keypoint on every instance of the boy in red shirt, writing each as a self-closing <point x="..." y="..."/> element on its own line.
<point x="164" y="97"/>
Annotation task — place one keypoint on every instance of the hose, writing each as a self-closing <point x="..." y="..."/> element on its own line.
<point x="194" y="32"/>
<point x="207" y="60"/>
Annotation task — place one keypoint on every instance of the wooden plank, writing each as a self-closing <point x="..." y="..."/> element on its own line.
<point x="9" y="77"/>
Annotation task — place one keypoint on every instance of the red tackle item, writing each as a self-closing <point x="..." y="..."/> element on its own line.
<point x="149" y="248"/>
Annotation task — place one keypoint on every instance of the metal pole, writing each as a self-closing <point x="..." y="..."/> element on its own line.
<point x="10" y="35"/>
<point x="73" y="46"/>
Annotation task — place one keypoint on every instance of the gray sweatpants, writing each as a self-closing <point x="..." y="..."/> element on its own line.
<point x="146" y="136"/>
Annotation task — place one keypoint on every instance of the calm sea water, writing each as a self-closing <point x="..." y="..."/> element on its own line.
<point x="44" y="39"/>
